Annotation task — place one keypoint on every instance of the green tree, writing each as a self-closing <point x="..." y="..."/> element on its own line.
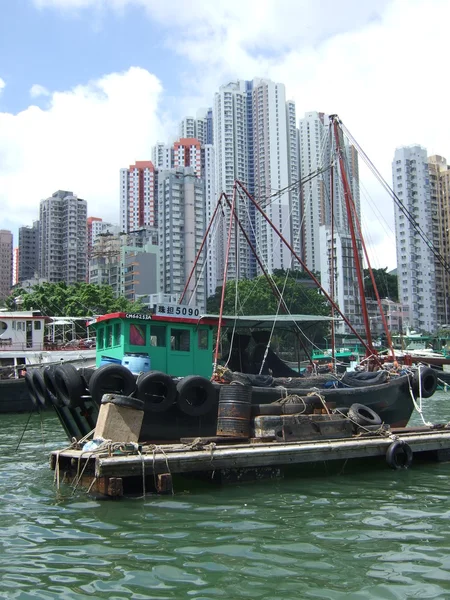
<point x="255" y="297"/>
<point x="386" y="284"/>
<point x="78" y="300"/>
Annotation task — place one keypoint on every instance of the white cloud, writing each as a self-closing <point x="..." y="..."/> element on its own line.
<point x="2" y="85"/>
<point x="37" y="90"/>
<point x="79" y="143"/>
<point x="379" y="64"/>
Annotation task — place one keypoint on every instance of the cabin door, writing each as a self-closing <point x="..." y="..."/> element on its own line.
<point x="29" y="334"/>
<point x="180" y="355"/>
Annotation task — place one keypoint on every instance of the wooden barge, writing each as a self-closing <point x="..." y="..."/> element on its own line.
<point x="121" y="469"/>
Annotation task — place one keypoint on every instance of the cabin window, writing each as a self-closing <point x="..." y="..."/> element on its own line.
<point x="3" y="326"/>
<point x="117" y="333"/>
<point x="13" y="324"/>
<point x="158" y="336"/>
<point x="180" y="340"/>
<point x="137" y="334"/>
<point x="37" y="325"/>
<point x="100" y="337"/>
<point x="109" y="336"/>
<point x="203" y="339"/>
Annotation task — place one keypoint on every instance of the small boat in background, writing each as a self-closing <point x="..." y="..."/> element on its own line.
<point x="24" y="344"/>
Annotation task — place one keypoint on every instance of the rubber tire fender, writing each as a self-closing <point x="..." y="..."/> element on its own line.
<point x="397" y="449"/>
<point x="69" y="385"/>
<point x="363" y="415"/>
<point x="111" y="379"/>
<point x="40" y="388"/>
<point x="52" y="392"/>
<point x="30" y="387"/>
<point x="157" y="390"/>
<point x="429" y="381"/>
<point x="196" y="395"/>
<point x="125" y="401"/>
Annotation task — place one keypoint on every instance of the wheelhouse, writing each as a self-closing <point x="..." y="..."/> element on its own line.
<point x="177" y="344"/>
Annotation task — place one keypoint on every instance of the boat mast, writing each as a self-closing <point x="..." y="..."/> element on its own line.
<point x="349" y="205"/>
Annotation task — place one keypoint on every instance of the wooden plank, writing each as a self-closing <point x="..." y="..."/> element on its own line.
<point x="254" y="455"/>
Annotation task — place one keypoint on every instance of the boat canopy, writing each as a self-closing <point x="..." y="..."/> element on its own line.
<point x="264" y="321"/>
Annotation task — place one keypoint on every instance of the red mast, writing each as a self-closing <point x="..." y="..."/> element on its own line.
<point x="349" y="205"/>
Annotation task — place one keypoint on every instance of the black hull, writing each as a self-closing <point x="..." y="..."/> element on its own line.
<point x="391" y="401"/>
<point x="14" y="397"/>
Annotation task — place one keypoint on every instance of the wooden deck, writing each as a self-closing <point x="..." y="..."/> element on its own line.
<point x="114" y="471"/>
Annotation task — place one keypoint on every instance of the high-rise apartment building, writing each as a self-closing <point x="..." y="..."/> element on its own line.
<point x="6" y="263"/>
<point x="181" y="226"/>
<point x="415" y="260"/>
<point x="439" y="173"/>
<point x="28" y="260"/>
<point x="95" y="227"/>
<point x="137" y="196"/>
<point x="255" y="141"/>
<point x="200" y="127"/>
<point x="62" y="238"/>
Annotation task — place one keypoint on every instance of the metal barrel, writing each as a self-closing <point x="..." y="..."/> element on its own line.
<point x="233" y="417"/>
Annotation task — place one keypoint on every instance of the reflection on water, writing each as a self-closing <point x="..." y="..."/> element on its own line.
<point x="363" y="534"/>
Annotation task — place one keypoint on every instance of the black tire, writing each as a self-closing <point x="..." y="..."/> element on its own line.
<point x="69" y="385"/>
<point x="363" y="415"/>
<point x="111" y="379"/>
<point x="157" y="390"/>
<point x="428" y="381"/>
<point x="52" y="392"/>
<point x="126" y="401"/>
<point x="399" y="455"/>
<point x="30" y="388"/>
<point x="86" y="374"/>
<point x="39" y="387"/>
<point x="196" y="396"/>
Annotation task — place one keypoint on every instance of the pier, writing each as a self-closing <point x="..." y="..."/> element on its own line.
<point x="119" y="469"/>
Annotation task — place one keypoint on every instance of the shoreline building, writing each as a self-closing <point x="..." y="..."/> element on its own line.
<point x="440" y="198"/>
<point x="415" y="260"/>
<point x="137" y="196"/>
<point x="28" y="260"/>
<point x="255" y="140"/>
<point x="63" y="238"/>
<point x="6" y="263"/>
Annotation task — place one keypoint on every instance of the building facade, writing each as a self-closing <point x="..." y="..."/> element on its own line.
<point x="137" y="196"/>
<point x="415" y="260"/>
<point x="63" y="238"/>
<point x="439" y="173"/>
<point x="6" y="263"/>
<point x="181" y="228"/>
<point x="28" y="259"/>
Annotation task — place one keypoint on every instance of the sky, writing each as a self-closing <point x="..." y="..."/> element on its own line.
<point x="89" y="86"/>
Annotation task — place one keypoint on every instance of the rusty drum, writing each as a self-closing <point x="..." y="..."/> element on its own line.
<point x="233" y="417"/>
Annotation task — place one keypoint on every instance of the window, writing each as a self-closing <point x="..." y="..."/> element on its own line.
<point x="37" y="325"/>
<point x="158" y="336"/>
<point x="117" y="333"/>
<point x="100" y="337"/>
<point x="180" y="340"/>
<point x="203" y="339"/>
<point x="137" y="334"/>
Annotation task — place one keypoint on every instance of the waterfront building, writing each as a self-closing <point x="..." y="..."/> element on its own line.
<point x="181" y="228"/>
<point x="415" y="260"/>
<point x="439" y="173"/>
<point x="28" y="259"/>
<point x="137" y="196"/>
<point x="6" y="263"/>
<point x="63" y="238"/>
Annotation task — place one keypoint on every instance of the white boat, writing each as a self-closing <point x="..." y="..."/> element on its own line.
<point x="24" y="343"/>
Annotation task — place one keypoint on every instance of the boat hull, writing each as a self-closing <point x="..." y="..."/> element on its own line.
<point x="14" y="396"/>
<point x="392" y="401"/>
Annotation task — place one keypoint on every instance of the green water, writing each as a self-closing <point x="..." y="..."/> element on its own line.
<point x="365" y="534"/>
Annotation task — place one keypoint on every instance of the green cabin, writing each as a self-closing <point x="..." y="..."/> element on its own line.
<point x="178" y="345"/>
